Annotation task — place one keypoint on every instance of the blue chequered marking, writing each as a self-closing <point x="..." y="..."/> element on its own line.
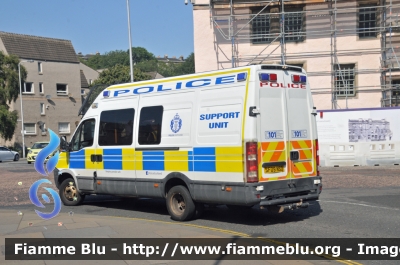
<point x="153" y="160"/>
<point x="112" y="159"/>
<point x="190" y="160"/>
<point x="204" y="166"/>
<point x="204" y="159"/>
<point x="77" y="159"/>
<point x="204" y="151"/>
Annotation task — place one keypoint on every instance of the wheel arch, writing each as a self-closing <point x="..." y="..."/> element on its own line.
<point x="175" y="179"/>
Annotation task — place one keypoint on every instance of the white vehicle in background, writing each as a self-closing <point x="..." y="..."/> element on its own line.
<point x="7" y="154"/>
<point x="238" y="137"/>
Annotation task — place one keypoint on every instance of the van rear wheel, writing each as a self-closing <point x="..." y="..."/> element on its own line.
<point x="180" y="204"/>
<point x="69" y="193"/>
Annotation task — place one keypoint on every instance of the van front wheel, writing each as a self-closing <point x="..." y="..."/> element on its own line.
<point x="180" y="204"/>
<point x="69" y="193"/>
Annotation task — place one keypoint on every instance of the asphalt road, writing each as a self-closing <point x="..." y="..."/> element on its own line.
<point x="356" y="202"/>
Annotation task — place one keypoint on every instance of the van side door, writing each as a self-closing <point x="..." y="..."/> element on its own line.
<point x="81" y="150"/>
<point x="116" y="148"/>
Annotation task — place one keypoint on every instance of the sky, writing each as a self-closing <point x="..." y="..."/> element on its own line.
<point x="163" y="27"/>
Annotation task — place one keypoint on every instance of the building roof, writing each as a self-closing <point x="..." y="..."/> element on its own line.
<point x="39" y="48"/>
<point x="172" y="59"/>
<point x="84" y="83"/>
<point x="154" y="75"/>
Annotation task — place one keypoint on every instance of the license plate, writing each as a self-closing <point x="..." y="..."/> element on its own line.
<point x="275" y="169"/>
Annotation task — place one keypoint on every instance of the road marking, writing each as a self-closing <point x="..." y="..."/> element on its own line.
<point x="362" y="204"/>
<point x="231" y="232"/>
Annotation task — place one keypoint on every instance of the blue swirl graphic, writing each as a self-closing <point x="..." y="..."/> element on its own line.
<point x="35" y="200"/>
<point x="45" y="152"/>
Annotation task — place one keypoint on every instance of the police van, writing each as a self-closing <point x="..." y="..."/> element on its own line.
<point x="238" y="137"/>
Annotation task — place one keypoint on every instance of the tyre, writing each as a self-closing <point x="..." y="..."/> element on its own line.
<point x="180" y="204"/>
<point x="16" y="157"/>
<point x="69" y="193"/>
<point x="239" y="207"/>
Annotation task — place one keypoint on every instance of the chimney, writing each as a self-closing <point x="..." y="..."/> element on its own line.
<point x="97" y="53"/>
<point x="166" y="56"/>
<point x="181" y="57"/>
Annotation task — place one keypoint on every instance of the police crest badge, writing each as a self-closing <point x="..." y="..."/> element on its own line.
<point x="176" y="124"/>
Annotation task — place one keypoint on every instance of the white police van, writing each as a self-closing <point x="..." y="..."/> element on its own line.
<point x="239" y="137"/>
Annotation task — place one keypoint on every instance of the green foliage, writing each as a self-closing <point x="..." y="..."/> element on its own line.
<point x="140" y="54"/>
<point x="119" y="74"/>
<point x="9" y="91"/>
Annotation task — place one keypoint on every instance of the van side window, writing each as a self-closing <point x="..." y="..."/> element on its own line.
<point x="84" y="135"/>
<point x="116" y="127"/>
<point x="150" y="125"/>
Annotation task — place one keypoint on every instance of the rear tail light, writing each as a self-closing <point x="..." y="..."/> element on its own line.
<point x="251" y="162"/>
<point x="317" y="155"/>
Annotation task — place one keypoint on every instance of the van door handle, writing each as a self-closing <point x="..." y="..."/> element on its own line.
<point x="96" y="158"/>
<point x="294" y="155"/>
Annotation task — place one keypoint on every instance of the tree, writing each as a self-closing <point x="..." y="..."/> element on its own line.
<point x="9" y="91"/>
<point x="140" y="54"/>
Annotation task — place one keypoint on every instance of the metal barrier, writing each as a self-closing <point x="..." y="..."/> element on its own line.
<point x="359" y="154"/>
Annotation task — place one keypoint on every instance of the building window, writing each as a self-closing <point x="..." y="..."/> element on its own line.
<point x="28" y="88"/>
<point x="90" y="81"/>
<point x="345" y="80"/>
<point x="40" y="67"/>
<point x="41" y="89"/>
<point x="83" y="92"/>
<point x="116" y="127"/>
<point x="29" y="128"/>
<point x="150" y="125"/>
<point x="63" y="127"/>
<point x="62" y="89"/>
<point x="266" y="26"/>
<point x="367" y="21"/>
<point x="42" y="109"/>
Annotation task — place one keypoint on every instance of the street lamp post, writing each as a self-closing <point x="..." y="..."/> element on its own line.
<point x="130" y="40"/>
<point x="22" y="112"/>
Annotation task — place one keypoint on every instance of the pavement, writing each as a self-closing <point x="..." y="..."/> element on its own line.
<point x="71" y="225"/>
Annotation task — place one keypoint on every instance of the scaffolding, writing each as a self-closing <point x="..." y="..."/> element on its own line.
<point x="380" y="21"/>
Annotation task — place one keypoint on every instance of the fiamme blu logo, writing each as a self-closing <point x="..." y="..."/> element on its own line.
<point x="46" y="169"/>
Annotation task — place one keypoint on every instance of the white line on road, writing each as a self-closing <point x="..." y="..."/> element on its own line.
<point x="362" y="204"/>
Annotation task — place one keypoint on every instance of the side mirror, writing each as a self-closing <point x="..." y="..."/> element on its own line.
<point x="28" y="148"/>
<point x="64" y="146"/>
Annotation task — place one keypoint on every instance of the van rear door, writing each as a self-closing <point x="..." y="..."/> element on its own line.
<point x="286" y="130"/>
<point x="301" y="125"/>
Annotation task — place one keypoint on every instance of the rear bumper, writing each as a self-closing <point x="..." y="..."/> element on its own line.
<point x="290" y="191"/>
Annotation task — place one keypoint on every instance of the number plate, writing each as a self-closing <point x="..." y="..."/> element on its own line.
<point x="275" y="169"/>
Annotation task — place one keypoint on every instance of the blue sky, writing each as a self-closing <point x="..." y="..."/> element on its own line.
<point x="160" y="26"/>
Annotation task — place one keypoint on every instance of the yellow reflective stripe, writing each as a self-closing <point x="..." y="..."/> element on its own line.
<point x="229" y="159"/>
<point x="63" y="161"/>
<point x="88" y="163"/>
<point x="128" y="159"/>
<point x="176" y="160"/>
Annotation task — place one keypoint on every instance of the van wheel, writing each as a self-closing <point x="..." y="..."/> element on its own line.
<point x="180" y="204"/>
<point x="69" y="193"/>
<point x="16" y="157"/>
